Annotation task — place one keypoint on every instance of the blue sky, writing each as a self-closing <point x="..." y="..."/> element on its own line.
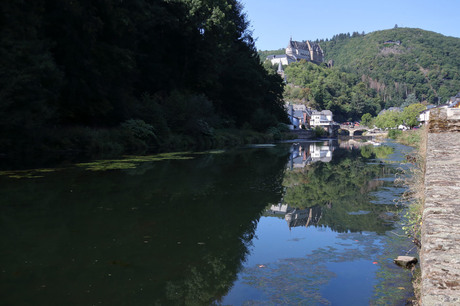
<point x="273" y="22"/>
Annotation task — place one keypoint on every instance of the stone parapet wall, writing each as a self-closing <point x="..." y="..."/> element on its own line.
<point x="440" y="252"/>
<point x="444" y="119"/>
<point x="303" y="134"/>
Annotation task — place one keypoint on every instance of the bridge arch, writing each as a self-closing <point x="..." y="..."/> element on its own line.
<point x="344" y="132"/>
<point x="352" y="131"/>
<point x="359" y="132"/>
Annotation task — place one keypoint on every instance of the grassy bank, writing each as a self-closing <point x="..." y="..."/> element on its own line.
<point x="415" y="195"/>
<point x="412" y="138"/>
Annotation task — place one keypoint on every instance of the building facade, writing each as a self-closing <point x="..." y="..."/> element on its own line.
<point x="322" y="118"/>
<point x="297" y="51"/>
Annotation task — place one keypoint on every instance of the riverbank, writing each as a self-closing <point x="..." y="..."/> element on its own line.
<point x="415" y="195"/>
<point x="79" y="144"/>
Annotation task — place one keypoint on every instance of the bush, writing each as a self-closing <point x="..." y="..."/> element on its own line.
<point x="190" y="114"/>
<point x="139" y="129"/>
<point x="277" y="135"/>
<point x="319" y="132"/>
<point x="153" y="113"/>
<point x="283" y="127"/>
<point x="138" y="135"/>
<point x="393" y="134"/>
<point x="83" y="140"/>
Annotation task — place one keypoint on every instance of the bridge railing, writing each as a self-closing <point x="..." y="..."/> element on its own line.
<point x="349" y="127"/>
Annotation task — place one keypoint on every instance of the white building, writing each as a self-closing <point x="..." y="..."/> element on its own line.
<point x="321" y="152"/>
<point x="424" y="116"/>
<point x="322" y="118"/>
<point x="452" y="103"/>
<point x="280" y="208"/>
<point x="282" y="59"/>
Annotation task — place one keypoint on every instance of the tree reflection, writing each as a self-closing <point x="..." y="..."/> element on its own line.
<point x="337" y="194"/>
<point x="173" y="232"/>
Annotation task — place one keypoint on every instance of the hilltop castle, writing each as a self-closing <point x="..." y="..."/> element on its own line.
<point x="296" y="51"/>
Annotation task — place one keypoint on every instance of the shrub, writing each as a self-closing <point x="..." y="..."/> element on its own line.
<point x="393" y="134"/>
<point x="277" y="135"/>
<point x="283" y="127"/>
<point x="153" y="113"/>
<point x="319" y="132"/>
<point x="139" y="129"/>
<point x="138" y="135"/>
<point x="190" y="114"/>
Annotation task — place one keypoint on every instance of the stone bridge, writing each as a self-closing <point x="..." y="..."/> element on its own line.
<point x="352" y="129"/>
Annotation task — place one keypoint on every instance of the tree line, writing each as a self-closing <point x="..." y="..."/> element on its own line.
<point x="128" y="75"/>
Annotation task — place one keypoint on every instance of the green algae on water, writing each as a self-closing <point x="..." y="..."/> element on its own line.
<point x="27" y="174"/>
<point x="131" y="162"/>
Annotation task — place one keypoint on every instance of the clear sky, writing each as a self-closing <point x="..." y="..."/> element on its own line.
<point x="273" y="22"/>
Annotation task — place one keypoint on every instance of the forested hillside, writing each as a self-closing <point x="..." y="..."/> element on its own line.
<point x="376" y="71"/>
<point x="105" y="75"/>
<point x="399" y="62"/>
<point x="329" y="88"/>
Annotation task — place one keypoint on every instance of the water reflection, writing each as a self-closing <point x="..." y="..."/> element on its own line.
<point x="328" y="186"/>
<point x="303" y="154"/>
<point x="327" y="242"/>
<point x="166" y="232"/>
<point x="177" y="231"/>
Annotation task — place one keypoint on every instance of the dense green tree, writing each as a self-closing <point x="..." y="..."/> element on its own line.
<point x="182" y="67"/>
<point x="411" y="99"/>
<point x="411" y="113"/>
<point x="389" y="119"/>
<point x="30" y="80"/>
<point x="366" y="120"/>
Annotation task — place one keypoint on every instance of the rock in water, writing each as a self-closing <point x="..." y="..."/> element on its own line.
<point x="406" y="261"/>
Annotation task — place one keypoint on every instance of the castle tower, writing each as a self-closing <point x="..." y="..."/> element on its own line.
<point x="289" y="50"/>
<point x="312" y="53"/>
<point x="280" y="70"/>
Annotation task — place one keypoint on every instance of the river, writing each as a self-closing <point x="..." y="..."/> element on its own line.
<point x="312" y="223"/>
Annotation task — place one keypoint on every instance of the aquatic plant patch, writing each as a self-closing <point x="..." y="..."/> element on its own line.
<point x="131" y="162"/>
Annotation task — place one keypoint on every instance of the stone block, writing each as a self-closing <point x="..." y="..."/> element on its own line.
<point x="405" y="261"/>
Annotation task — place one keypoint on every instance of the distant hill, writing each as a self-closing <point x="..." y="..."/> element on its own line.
<point x="400" y="61"/>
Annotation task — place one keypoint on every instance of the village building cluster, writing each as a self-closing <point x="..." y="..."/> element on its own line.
<point x="302" y="116"/>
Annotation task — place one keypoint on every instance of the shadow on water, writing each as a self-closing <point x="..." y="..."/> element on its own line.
<point x="172" y="232"/>
<point x="180" y="228"/>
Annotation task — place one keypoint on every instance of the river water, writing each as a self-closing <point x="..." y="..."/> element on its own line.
<point x="313" y="223"/>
